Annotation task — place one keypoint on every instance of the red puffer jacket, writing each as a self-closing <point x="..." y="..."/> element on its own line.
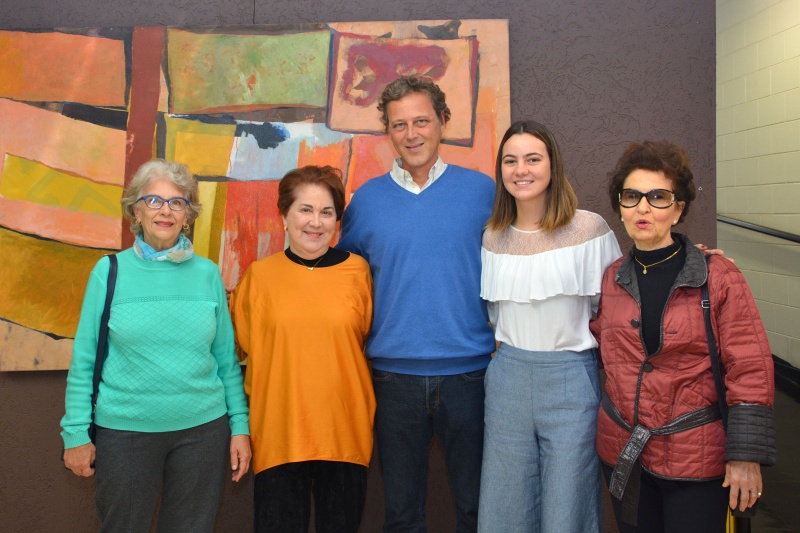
<point x="678" y="379"/>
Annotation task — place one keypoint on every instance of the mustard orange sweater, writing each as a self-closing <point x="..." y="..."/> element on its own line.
<point x="307" y="378"/>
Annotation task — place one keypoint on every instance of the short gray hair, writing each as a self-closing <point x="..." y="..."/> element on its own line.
<point x="156" y="169"/>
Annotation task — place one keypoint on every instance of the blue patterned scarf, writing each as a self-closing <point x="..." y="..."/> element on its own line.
<point x="182" y="251"/>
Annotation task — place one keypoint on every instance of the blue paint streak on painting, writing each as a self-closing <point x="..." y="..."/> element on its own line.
<point x="273" y="149"/>
<point x="266" y="135"/>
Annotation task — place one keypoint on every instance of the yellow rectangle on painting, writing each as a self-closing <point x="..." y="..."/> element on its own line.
<point x="208" y="226"/>
<point x="42" y="282"/>
<point x="23" y="179"/>
<point x="185" y="140"/>
<point x="206" y="155"/>
<point x="62" y="67"/>
<point x="202" y="226"/>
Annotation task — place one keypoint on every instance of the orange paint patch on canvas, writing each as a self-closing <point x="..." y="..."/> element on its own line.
<point x="79" y="148"/>
<point x="336" y="155"/>
<point x="62" y="224"/>
<point x="49" y="303"/>
<point x="373" y="155"/>
<point x="482" y="153"/>
<point x="59" y="67"/>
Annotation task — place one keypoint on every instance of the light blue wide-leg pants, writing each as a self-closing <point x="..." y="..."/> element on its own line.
<point x="541" y="473"/>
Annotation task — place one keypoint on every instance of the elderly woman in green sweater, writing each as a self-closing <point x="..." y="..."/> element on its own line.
<point x="170" y="408"/>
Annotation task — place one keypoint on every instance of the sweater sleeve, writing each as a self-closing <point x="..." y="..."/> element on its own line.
<point x="747" y="363"/>
<point x="367" y="306"/>
<point x="349" y="238"/>
<point x="230" y="373"/>
<point x="78" y="398"/>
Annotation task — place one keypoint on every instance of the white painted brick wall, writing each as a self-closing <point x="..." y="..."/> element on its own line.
<point x="758" y="154"/>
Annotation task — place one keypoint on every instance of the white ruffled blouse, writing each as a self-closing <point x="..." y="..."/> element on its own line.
<point x="542" y="286"/>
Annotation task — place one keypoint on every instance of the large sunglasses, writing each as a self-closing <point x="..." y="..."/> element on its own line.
<point x="658" y="198"/>
<point x="154" y="201"/>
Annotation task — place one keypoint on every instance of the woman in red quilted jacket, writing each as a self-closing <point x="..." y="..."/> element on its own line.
<point x="670" y="464"/>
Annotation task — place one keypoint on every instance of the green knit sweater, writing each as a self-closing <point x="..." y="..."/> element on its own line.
<point x="171" y="361"/>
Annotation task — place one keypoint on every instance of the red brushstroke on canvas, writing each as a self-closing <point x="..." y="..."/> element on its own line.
<point x="372" y="66"/>
<point x="253" y="227"/>
<point x="148" y="45"/>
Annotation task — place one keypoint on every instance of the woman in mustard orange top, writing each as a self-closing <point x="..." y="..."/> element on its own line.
<point x="302" y="316"/>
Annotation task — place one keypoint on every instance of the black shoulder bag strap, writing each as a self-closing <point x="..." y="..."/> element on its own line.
<point x="741" y="520"/>
<point x="102" y="337"/>
<point x="712" y="349"/>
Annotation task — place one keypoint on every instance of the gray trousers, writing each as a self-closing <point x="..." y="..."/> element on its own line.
<point x="131" y="466"/>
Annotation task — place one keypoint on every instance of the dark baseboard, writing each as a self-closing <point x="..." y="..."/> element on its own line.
<point x="787" y="377"/>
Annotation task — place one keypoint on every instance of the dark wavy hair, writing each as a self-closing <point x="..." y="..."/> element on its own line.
<point x="657" y="156"/>
<point x="405" y="85"/>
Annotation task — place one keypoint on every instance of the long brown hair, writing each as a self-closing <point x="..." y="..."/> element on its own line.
<point x="561" y="199"/>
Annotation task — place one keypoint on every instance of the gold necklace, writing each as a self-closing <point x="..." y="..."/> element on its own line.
<point x="312" y="267"/>
<point x="657" y="262"/>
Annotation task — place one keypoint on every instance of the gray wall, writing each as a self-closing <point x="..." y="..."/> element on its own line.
<point x="600" y="73"/>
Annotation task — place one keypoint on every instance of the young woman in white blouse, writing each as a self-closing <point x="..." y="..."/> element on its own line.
<point x="543" y="263"/>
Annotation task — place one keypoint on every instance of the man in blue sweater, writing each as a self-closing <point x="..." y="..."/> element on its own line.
<point x="419" y="226"/>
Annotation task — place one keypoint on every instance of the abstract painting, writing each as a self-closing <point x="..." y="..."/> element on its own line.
<point x="82" y="109"/>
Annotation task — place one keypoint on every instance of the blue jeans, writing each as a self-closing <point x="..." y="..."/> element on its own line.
<point x="410" y="410"/>
<point x="541" y="472"/>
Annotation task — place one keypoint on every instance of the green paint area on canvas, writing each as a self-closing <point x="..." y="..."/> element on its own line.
<point x="213" y="72"/>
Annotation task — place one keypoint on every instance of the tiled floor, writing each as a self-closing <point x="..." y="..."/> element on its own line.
<point x="779" y="510"/>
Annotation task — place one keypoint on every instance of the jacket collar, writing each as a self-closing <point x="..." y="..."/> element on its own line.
<point x="693" y="274"/>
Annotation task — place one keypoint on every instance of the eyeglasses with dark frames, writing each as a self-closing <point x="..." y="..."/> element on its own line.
<point x="658" y="198"/>
<point x="154" y="201"/>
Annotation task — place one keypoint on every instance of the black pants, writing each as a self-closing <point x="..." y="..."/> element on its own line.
<point x="189" y="465"/>
<point x="283" y="497"/>
<point x="667" y="506"/>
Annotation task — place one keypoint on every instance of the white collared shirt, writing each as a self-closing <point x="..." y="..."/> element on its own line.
<point x="404" y="179"/>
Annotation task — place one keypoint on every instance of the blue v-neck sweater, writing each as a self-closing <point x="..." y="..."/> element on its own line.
<point x="424" y="253"/>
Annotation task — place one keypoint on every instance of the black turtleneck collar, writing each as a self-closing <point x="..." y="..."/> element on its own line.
<point x="330" y="258"/>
